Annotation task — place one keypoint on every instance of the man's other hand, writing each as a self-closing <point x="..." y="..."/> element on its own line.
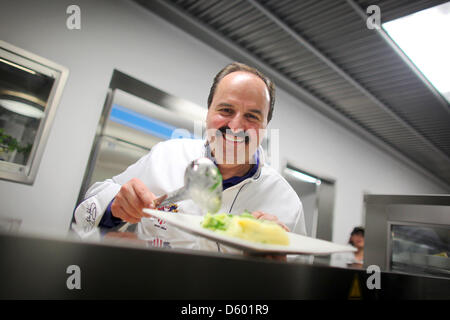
<point x="133" y="196"/>
<point x="266" y="216"/>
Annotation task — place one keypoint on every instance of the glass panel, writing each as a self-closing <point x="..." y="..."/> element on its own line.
<point x="420" y="249"/>
<point x="113" y="157"/>
<point x="23" y="100"/>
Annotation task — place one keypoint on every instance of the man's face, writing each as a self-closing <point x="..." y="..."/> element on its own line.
<point x="358" y="240"/>
<point x="237" y="116"/>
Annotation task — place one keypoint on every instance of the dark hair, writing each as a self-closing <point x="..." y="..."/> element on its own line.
<point x="236" y="66"/>
<point x="358" y="230"/>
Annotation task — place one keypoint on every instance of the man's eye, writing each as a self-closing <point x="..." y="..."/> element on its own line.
<point x="225" y="110"/>
<point x="252" y="116"/>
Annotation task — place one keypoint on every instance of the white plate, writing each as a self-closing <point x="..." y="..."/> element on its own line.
<point x="297" y="244"/>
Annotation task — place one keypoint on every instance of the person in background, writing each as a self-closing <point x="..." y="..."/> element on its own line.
<point x="351" y="259"/>
<point x="357" y="241"/>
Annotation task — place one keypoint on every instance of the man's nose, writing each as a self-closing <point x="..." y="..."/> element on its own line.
<point x="237" y="123"/>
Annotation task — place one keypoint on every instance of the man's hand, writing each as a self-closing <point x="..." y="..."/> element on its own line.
<point x="265" y="216"/>
<point x="131" y="199"/>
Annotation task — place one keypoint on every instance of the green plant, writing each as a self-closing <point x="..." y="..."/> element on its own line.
<point x="9" y="144"/>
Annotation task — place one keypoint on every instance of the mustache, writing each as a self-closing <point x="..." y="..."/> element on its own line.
<point x="241" y="134"/>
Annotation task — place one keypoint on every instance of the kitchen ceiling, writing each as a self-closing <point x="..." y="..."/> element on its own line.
<point x="323" y="53"/>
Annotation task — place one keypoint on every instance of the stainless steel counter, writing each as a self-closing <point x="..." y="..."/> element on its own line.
<point x="36" y="268"/>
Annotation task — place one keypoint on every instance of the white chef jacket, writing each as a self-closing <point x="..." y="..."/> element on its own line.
<point x="162" y="171"/>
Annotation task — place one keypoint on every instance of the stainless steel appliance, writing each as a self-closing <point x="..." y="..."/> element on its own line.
<point x="408" y="234"/>
<point x="317" y="196"/>
<point x="130" y="126"/>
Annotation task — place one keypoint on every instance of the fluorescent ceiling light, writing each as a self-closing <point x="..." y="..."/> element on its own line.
<point x="302" y="176"/>
<point x="423" y="37"/>
<point x="22" y="108"/>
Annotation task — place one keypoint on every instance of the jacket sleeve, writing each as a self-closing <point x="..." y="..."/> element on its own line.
<point x="89" y="213"/>
<point x="108" y="220"/>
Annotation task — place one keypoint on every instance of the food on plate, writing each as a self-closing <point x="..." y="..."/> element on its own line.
<point x="246" y="227"/>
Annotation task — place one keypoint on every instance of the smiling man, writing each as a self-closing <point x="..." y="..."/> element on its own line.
<point x="240" y="105"/>
<point x="238" y="113"/>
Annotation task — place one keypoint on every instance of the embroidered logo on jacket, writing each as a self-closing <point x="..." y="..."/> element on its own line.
<point x="90" y="217"/>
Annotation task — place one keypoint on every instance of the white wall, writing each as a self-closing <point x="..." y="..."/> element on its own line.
<point x="121" y="35"/>
<point x="315" y="144"/>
